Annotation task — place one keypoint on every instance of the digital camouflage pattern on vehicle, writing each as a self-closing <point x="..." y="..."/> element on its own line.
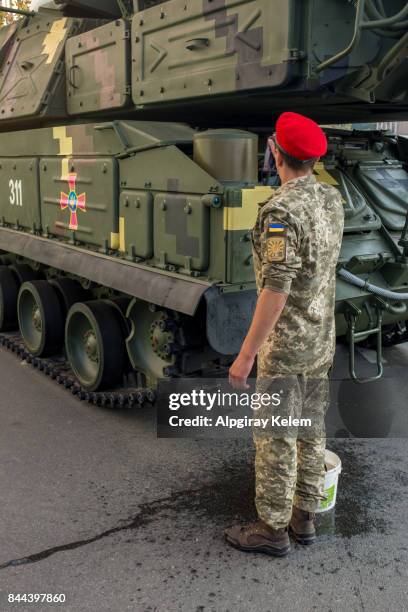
<point x="136" y="226"/>
<point x="209" y="62"/>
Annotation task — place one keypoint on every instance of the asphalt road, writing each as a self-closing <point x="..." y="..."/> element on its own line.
<point x="94" y="506"/>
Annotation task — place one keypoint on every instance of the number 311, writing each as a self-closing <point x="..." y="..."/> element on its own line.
<point x="16" y="192"/>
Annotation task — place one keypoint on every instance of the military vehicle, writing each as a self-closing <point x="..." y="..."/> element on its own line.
<point x="132" y="166"/>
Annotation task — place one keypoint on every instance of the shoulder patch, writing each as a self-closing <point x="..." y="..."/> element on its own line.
<point x="276" y="243"/>
<point x="276" y="249"/>
<point x="276" y="228"/>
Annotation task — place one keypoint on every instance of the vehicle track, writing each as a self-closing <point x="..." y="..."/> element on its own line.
<point x="58" y="369"/>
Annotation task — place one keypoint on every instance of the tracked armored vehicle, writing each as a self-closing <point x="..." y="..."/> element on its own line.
<point x="132" y="165"/>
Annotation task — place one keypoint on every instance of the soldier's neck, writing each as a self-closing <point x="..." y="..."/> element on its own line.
<point x="287" y="174"/>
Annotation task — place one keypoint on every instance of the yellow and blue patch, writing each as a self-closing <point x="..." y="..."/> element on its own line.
<point x="276" y="242"/>
<point x="276" y="228"/>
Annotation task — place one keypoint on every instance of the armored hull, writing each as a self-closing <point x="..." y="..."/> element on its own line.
<point x="126" y="231"/>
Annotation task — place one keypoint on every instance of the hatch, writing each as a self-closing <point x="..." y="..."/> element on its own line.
<point x="182" y="231"/>
<point x="20" y="189"/>
<point x="200" y="48"/>
<point x="386" y="186"/>
<point x="31" y="76"/>
<point x="79" y="200"/>
<point x="358" y="216"/>
<point x="97" y="69"/>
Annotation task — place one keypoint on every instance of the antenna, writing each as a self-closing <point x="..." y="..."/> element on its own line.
<point x="15" y="11"/>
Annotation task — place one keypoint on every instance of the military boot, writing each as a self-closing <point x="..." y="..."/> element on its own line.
<point x="259" y="537"/>
<point x="302" y="526"/>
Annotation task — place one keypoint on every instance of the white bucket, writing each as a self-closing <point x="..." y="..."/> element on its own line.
<point x="333" y="469"/>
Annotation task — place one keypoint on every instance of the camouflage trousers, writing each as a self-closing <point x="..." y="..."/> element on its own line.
<point x="289" y="463"/>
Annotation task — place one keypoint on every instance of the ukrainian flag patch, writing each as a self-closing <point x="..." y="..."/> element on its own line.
<point x="276" y="228"/>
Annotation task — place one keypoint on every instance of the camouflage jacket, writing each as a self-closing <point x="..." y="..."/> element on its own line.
<point x="296" y="244"/>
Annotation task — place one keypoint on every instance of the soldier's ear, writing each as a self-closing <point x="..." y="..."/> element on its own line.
<point x="273" y="148"/>
<point x="279" y="160"/>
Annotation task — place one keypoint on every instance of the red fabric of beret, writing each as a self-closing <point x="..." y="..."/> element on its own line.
<point x="300" y="136"/>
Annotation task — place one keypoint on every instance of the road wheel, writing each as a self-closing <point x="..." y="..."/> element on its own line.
<point x="152" y="340"/>
<point x="40" y="318"/>
<point x="95" y="344"/>
<point x="69" y="292"/>
<point x="25" y="273"/>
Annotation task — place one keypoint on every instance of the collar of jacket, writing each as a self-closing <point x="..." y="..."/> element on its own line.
<point x="300" y="181"/>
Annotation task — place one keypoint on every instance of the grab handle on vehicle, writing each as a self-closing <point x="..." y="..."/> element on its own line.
<point x="351" y="315"/>
<point x="197" y="43"/>
<point x="71" y="78"/>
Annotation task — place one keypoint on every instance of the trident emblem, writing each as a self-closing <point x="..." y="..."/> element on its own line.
<point x="73" y="202"/>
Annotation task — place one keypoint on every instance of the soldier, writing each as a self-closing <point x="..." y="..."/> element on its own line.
<point x="296" y="243"/>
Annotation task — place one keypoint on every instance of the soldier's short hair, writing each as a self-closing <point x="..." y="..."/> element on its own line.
<point x="296" y="164"/>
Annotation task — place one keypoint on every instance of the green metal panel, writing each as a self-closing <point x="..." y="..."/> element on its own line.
<point x="358" y="216"/>
<point x="199" y="48"/>
<point x="6" y="36"/>
<point x="355" y="245"/>
<point x="97" y="69"/>
<point x="108" y="9"/>
<point x="240" y="211"/>
<point x="386" y="185"/>
<point x="19" y="186"/>
<point x="31" y="81"/>
<point x="365" y="256"/>
<point x="198" y="61"/>
<point x="239" y="257"/>
<point x="136" y="224"/>
<point x="218" y="260"/>
<point x="79" y="200"/>
<point x="95" y="139"/>
<point x="166" y="168"/>
<point x="181" y="237"/>
<point x="332" y="21"/>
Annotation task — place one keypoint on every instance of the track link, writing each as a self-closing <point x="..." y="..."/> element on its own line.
<point x="58" y="369"/>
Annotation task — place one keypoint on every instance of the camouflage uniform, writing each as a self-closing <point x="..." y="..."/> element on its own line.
<point x="296" y="243"/>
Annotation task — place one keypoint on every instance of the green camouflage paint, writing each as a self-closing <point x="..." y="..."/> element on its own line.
<point x="225" y="62"/>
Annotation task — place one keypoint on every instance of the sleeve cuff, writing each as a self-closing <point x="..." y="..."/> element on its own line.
<point x="279" y="286"/>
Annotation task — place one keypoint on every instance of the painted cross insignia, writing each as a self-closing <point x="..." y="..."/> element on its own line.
<point x="73" y="202"/>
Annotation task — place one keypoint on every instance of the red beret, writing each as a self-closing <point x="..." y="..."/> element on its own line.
<point x="300" y="137"/>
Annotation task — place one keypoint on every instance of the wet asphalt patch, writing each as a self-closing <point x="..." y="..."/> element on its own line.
<point x="228" y="497"/>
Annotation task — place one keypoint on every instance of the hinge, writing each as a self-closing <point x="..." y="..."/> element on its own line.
<point x="295" y="55"/>
<point x="45" y="98"/>
<point x="60" y="67"/>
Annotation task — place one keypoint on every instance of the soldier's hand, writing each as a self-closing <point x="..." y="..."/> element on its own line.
<point x="240" y="370"/>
